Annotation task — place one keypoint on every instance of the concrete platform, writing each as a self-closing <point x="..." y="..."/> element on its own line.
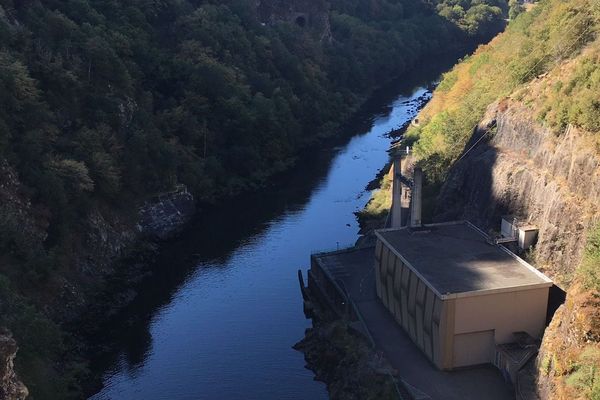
<point x="353" y="271"/>
<point x="456" y="258"/>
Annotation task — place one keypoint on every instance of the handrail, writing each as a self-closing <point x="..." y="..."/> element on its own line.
<point x="372" y="341"/>
<point x="343" y="247"/>
<point x="340" y="287"/>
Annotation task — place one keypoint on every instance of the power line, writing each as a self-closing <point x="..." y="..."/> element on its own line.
<point x="475" y="144"/>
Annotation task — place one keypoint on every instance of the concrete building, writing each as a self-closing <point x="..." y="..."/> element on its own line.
<point x="456" y="293"/>
<point x="405" y="190"/>
<point x="438" y="297"/>
<point x="520" y="232"/>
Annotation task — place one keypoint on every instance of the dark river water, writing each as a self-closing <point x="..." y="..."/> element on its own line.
<point x="220" y="314"/>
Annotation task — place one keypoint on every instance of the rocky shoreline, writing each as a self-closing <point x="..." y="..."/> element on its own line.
<point x="344" y="360"/>
<point x="339" y="355"/>
<point x="11" y="387"/>
<point x="111" y="249"/>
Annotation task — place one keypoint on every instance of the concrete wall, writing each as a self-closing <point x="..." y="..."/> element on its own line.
<point x="455" y="332"/>
<point x="505" y="313"/>
<point x="416" y="308"/>
<point x="324" y="287"/>
<point x="473" y="348"/>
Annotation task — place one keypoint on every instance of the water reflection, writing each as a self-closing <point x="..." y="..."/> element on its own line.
<point x="221" y="310"/>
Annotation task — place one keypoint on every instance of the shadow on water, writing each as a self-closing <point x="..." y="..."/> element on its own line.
<point x="124" y="339"/>
<point x="211" y="237"/>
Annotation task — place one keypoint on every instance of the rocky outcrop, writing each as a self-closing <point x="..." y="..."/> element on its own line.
<point x="107" y="237"/>
<point x="571" y="342"/>
<point x="342" y="359"/>
<point x="110" y="237"/>
<point x="11" y="388"/>
<point x="164" y="215"/>
<point x="527" y="170"/>
<point x="553" y="181"/>
<point x="22" y="227"/>
<point x="307" y="14"/>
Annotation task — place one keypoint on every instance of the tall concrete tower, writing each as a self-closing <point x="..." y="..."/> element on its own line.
<point x="416" y="199"/>
<point x="396" y="221"/>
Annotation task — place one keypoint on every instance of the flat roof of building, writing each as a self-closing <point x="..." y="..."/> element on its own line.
<point x="351" y="267"/>
<point x="456" y="259"/>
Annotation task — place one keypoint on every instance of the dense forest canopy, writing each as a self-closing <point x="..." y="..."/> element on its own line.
<point x="474" y="16"/>
<point x="105" y="102"/>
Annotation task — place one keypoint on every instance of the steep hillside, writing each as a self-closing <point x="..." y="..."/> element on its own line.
<point x="115" y="117"/>
<point x="515" y="128"/>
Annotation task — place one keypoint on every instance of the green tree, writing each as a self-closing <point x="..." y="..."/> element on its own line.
<point x="515" y="8"/>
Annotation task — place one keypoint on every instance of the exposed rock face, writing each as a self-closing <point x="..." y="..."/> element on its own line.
<point x="108" y="237"/>
<point x="104" y="236"/>
<point x="554" y="182"/>
<point x="526" y="170"/>
<point x="575" y="328"/>
<point x="309" y="14"/>
<point x="19" y="221"/>
<point x="164" y="215"/>
<point x="11" y="388"/>
<point x="343" y="360"/>
<point x="105" y="239"/>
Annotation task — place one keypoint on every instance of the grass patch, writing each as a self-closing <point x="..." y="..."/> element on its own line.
<point x="535" y="43"/>
<point x="585" y="378"/>
<point x="589" y="270"/>
<point x="373" y="215"/>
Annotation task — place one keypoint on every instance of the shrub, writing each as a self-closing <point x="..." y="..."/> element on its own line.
<point x="586" y="375"/>
<point x="533" y="44"/>
<point x="589" y="270"/>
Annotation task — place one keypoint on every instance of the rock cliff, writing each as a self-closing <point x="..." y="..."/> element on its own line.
<point x="165" y="214"/>
<point x="103" y="237"/>
<point x="11" y="388"/>
<point x="525" y="169"/>
<point x="307" y="14"/>
<point x="553" y="181"/>
<point x="107" y="237"/>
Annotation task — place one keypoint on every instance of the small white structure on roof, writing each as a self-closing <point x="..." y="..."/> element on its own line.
<point x="521" y="232"/>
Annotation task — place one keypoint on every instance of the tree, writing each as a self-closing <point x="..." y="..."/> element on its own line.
<point x="515" y="8"/>
<point x="74" y="173"/>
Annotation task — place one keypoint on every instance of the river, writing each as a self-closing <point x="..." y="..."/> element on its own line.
<point x="219" y="316"/>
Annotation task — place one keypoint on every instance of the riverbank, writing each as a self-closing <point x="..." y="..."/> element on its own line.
<point x="334" y="350"/>
<point x="217" y="97"/>
<point x="503" y="169"/>
<point x="344" y="360"/>
<point x="308" y="208"/>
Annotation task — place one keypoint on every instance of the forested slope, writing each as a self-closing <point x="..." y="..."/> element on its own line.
<point x="514" y="129"/>
<point x="104" y="103"/>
